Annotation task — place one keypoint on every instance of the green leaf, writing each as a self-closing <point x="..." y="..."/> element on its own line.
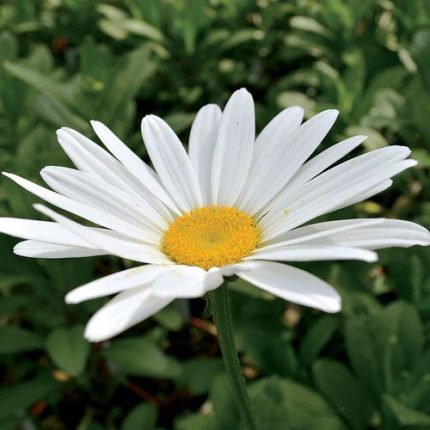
<point x="198" y="373"/>
<point x="309" y="24"/>
<point x="68" y="349"/>
<point x="142" y="28"/>
<point x="413" y="388"/>
<point x="16" y="398"/>
<point x="170" y="317"/>
<point x="375" y="139"/>
<point x="318" y="335"/>
<point x="281" y="403"/>
<point x="179" y="121"/>
<point x="382" y="346"/>
<point x="197" y="422"/>
<point x="123" y="87"/>
<point x="40" y="82"/>
<point x="273" y="353"/>
<point x="344" y="392"/>
<point x="142" y="417"/>
<point x="220" y="394"/>
<point x="57" y="113"/>
<point x="8" y="47"/>
<point x="140" y="357"/>
<point x="405" y="415"/>
<point x="14" y="340"/>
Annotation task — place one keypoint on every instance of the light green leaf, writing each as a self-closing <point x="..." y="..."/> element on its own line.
<point x="170" y="317"/>
<point x="68" y="349"/>
<point x="197" y="422"/>
<point x="140" y="357"/>
<point x="142" y="28"/>
<point x="312" y="25"/>
<point x="142" y="417"/>
<point x="405" y="415"/>
<point x="281" y="403"/>
<point x="40" y="82"/>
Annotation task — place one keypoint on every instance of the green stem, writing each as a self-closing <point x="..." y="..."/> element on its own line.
<point x="221" y="310"/>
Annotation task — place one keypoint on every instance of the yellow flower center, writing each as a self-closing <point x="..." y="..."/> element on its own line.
<point x="211" y="236"/>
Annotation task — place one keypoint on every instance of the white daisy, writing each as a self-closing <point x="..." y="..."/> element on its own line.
<point x="232" y="205"/>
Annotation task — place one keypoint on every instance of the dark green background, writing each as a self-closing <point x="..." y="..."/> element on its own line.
<point x="64" y="62"/>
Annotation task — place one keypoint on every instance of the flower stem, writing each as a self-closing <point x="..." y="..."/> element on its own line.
<point x="221" y="310"/>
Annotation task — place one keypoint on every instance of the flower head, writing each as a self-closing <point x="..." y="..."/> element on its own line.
<point x="232" y="205"/>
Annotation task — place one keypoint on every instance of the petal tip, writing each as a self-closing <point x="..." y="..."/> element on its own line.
<point x="361" y="137"/>
<point x="90" y="334"/>
<point x="334" y="113"/>
<point x="372" y="258"/>
<point x="97" y="125"/>
<point x="41" y="208"/>
<point x="149" y="121"/>
<point x="334" y="305"/>
<point x="242" y="93"/>
<point x="69" y="299"/>
<point x="335" y="308"/>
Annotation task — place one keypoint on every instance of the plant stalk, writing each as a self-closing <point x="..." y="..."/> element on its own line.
<point x="219" y="300"/>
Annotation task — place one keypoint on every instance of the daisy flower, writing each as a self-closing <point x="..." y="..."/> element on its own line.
<point x="232" y="205"/>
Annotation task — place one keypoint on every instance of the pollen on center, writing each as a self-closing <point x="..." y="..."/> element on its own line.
<point x="211" y="237"/>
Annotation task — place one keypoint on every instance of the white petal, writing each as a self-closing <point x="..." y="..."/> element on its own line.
<point x="278" y="128"/>
<point x="204" y="132"/>
<point x="115" y="283"/>
<point x="43" y="231"/>
<point x="327" y="192"/>
<point x="233" y="150"/>
<point x="122" y="312"/>
<point x="358" y="169"/>
<point x="361" y="197"/>
<point x="273" y="136"/>
<point x="171" y="162"/>
<point x="185" y="282"/>
<point x="315" y="252"/>
<point x="278" y="163"/>
<point x="389" y="233"/>
<point x="92" y="214"/>
<point x="91" y="158"/>
<point x="120" y="247"/>
<point x="51" y="232"/>
<point x="314" y="232"/>
<point x="87" y="189"/>
<point x="133" y="163"/>
<point x="292" y="284"/>
<point x="322" y="161"/>
<point x="36" y="249"/>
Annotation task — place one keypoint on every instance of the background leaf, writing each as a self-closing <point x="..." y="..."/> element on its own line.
<point x="68" y="349"/>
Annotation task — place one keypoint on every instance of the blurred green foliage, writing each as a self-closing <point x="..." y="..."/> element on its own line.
<point x="64" y="62"/>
